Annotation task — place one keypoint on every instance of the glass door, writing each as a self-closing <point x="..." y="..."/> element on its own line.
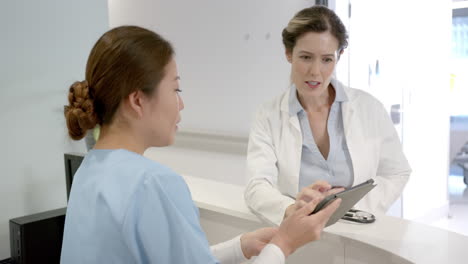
<point x="398" y="52"/>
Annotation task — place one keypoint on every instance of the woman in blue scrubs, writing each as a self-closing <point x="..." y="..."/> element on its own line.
<point x="125" y="208"/>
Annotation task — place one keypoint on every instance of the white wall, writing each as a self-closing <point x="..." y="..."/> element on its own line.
<point x="229" y="53"/>
<point x="43" y="49"/>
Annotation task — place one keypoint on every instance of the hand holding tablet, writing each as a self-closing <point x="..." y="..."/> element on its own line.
<point x="349" y="198"/>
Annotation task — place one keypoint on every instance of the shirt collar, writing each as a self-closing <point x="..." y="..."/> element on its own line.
<point x="295" y="106"/>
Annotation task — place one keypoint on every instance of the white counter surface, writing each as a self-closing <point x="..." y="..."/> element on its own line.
<point x="411" y="241"/>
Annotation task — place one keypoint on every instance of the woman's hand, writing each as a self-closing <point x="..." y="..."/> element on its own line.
<point x="253" y="242"/>
<point x="301" y="228"/>
<point x="318" y="190"/>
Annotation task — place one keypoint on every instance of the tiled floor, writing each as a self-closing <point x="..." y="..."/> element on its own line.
<point x="458" y="216"/>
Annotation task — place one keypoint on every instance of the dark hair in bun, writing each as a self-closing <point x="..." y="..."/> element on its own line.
<point x="80" y="113"/>
<point x="124" y="60"/>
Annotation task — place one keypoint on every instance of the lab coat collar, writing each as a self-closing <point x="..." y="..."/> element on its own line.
<point x="284" y="106"/>
<point x="340" y="93"/>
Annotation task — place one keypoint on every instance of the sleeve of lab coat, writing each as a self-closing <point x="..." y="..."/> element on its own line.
<point x="261" y="194"/>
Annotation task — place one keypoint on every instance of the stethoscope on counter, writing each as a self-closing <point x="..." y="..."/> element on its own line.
<point x="359" y="216"/>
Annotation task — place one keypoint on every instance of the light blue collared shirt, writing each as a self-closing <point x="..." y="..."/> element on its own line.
<point x="337" y="169"/>
<point x="125" y="208"/>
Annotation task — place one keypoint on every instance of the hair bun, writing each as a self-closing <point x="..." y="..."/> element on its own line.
<point x="80" y="113"/>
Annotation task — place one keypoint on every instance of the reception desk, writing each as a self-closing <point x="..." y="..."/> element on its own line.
<point x="223" y="214"/>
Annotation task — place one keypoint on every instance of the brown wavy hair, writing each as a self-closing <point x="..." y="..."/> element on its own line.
<point x="314" y="19"/>
<point x="125" y="59"/>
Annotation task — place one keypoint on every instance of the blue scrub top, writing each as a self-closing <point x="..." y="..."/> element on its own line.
<point x="125" y="208"/>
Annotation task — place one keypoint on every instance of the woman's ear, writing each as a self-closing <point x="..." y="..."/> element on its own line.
<point x="135" y="103"/>
<point x="341" y="53"/>
<point x="288" y="56"/>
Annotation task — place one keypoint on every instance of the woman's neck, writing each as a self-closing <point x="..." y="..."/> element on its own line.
<point x="119" y="138"/>
<point x="318" y="103"/>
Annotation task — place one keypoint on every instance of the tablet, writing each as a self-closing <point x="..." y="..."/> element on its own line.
<point x="349" y="198"/>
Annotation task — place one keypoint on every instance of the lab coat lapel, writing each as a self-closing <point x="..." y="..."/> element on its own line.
<point x="294" y="122"/>
<point x="294" y="147"/>
<point x="347" y="110"/>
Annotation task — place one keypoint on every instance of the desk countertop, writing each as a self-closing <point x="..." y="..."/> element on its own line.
<point x="409" y="240"/>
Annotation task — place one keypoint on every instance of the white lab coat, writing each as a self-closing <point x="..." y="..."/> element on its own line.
<point x="275" y="148"/>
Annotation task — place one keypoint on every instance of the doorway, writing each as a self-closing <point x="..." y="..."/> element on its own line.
<point x="399" y="52"/>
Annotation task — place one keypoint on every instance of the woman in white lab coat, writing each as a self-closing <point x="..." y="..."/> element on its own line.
<point x="320" y="131"/>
